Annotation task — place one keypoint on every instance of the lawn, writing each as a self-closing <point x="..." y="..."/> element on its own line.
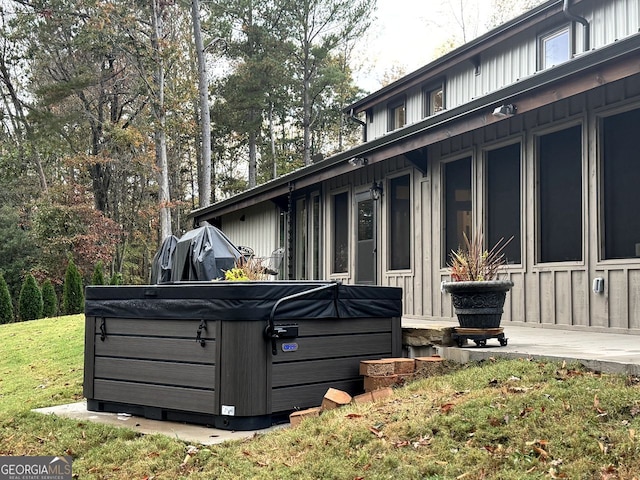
<point x="514" y="419"/>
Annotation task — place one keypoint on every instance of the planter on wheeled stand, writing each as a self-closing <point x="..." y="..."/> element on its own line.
<point x="479" y="306"/>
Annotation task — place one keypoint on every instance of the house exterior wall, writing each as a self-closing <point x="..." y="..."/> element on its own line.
<point x="256" y="227"/>
<point x="550" y="294"/>
<point x="515" y="59"/>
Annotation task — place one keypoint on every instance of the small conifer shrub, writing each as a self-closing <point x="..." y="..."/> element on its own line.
<point x="98" y="274"/>
<point x="72" y="294"/>
<point x="30" y="301"/>
<point x="49" y="300"/>
<point x="6" y="307"/>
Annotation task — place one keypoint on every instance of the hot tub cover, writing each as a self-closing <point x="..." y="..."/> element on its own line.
<point x="251" y="301"/>
<point x="161" y="264"/>
<point x="203" y="254"/>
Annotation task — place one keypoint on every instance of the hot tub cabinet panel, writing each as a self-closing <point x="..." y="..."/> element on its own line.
<point x="198" y="352"/>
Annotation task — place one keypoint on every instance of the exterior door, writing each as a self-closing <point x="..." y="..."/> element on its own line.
<point x="366" y="251"/>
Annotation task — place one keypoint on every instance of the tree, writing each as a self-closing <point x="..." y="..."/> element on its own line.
<point x="49" y="300"/>
<point x="30" y="301"/>
<point x="320" y="27"/>
<point x="98" y="275"/>
<point x="6" y="307"/>
<point x="72" y="294"/>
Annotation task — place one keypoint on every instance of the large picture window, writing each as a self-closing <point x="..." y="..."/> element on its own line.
<point x="341" y="233"/>
<point x="457" y="197"/>
<point x="503" y="200"/>
<point x="400" y="223"/>
<point x="560" y="196"/>
<point x="621" y="191"/>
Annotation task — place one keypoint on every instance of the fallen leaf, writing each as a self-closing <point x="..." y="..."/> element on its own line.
<point x="376" y="432"/>
<point x="446" y="407"/>
<point x="541" y="451"/>
<point x="353" y="415"/>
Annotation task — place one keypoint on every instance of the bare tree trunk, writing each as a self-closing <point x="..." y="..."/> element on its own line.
<point x="160" y="129"/>
<point x="272" y="135"/>
<point x="205" y="119"/>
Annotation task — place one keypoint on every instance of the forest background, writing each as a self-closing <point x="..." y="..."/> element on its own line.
<point x="104" y="105"/>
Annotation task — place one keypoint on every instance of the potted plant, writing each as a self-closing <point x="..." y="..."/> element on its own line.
<point x="478" y="294"/>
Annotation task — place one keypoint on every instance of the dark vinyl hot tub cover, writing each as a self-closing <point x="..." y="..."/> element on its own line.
<point x="203" y="254"/>
<point x="161" y="264"/>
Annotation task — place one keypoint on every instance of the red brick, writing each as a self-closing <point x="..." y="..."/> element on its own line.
<point x="335" y="398"/>
<point x="403" y="365"/>
<point x="377" y="367"/>
<point x="296" y="417"/>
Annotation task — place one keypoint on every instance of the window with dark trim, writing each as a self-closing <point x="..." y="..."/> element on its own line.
<point x="503" y="200"/>
<point x="340" y="233"/>
<point x="560" y="196"/>
<point x="458" y="203"/>
<point x="400" y="223"/>
<point x="433" y="97"/>
<point x="397" y="114"/>
<point x="554" y="47"/>
<point x="621" y="191"/>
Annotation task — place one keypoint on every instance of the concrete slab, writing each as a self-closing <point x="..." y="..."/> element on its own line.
<point x="182" y="431"/>
<point x="601" y="351"/>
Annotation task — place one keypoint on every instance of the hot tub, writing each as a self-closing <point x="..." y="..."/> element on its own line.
<point x="234" y="355"/>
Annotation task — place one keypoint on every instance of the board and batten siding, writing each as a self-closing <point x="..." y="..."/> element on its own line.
<point x="256" y="227"/>
<point x="513" y="60"/>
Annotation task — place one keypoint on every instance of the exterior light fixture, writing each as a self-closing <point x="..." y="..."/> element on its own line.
<point x="376" y="191"/>
<point x="505" y="111"/>
<point x="358" y="161"/>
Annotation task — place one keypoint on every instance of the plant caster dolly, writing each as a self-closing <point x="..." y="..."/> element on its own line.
<point x="478" y="335"/>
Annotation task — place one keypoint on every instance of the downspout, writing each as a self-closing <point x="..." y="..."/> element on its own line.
<point x="354" y="119"/>
<point x="575" y="18"/>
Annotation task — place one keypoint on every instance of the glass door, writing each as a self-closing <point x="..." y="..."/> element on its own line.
<point x="366" y="239"/>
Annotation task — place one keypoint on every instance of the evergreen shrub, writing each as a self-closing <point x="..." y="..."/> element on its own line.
<point x="72" y="294"/>
<point x="49" y="300"/>
<point x="30" y="301"/>
<point x="6" y="307"/>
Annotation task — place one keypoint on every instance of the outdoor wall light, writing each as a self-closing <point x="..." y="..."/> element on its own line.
<point x="505" y="111"/>
<point x="376" y="191"/>
<point x="358" y="161"/>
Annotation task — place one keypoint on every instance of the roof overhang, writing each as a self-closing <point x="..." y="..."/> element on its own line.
<point x="585" y="72"/>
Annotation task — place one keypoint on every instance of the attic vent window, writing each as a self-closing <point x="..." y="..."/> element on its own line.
<point x="555" y="47"/>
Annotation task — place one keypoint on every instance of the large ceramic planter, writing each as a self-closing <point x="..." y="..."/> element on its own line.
<point x="479" y="304"/>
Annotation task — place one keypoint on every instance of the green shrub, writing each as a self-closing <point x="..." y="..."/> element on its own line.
<point x="30" y="300"/>
<point x="116" y="279"/>
<point x="72" y="294"/>
<point x="6" y="307"/>
<point x="98" y="275"/>
<point x="49" y="300"/>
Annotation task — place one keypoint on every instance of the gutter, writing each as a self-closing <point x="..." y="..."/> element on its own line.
<point x="575" y="18"/>
<point x="311" y="174"/>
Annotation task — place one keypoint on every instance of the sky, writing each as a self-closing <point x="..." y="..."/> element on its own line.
<point x="406" y="33"/>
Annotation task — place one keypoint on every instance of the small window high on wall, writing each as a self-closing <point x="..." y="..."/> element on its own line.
<point x="457" y="198"/>
<point x="340" y="233"/>
<point x="400" y="223"/>
<point x="620" y="167"/>
<point x="560" y="196"/>
<point x="397" y="114"/>
<point x="503" y="200"/>
<point x="555" y="48"/>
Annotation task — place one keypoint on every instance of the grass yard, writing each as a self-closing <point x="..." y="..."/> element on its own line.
<point x="513" y="419"/>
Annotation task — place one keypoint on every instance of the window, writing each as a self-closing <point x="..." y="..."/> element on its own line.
<point x="397" y="115"/>
<point x="503" y="200"/>
<point x="457" y="197"/>
<point x="620" y="174"/>
<point x="341" y="233"/>
<point x="433" y="100"/>
<point x="400" y="223"/>
<point x="560" y="196"/>
<point x="555" y="48"/>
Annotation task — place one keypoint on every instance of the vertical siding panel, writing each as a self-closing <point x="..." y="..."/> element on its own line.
<point x="618" y="302"/>
<point x="579" y="294"/>
<point x="600" y="304"/>
<point x="634" y="299"/>
<point x="562" y="297"/>
<point x="517" y="298"/>
<point x="547" y="298"/>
